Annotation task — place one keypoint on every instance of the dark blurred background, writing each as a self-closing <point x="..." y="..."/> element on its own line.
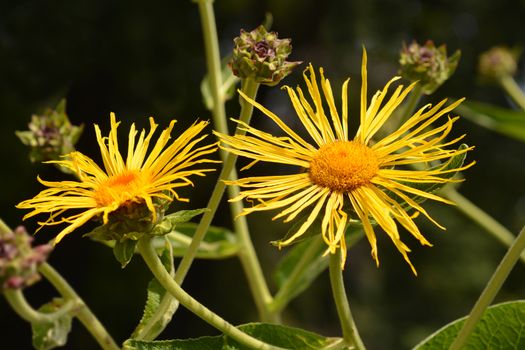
<point x="141" y="60"/>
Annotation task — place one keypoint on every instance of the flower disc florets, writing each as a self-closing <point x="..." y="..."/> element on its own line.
<point x="343" y="166"/>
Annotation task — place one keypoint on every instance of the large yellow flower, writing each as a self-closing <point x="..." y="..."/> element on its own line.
<point x="345" y="177"/>
<point x="138" y="179"/>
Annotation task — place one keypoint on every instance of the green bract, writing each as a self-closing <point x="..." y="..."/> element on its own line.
<point x="261" y="56"/>
<point x="50" y="134"/>
<point x="18" y="260"/>
<point x="427" y="64"/>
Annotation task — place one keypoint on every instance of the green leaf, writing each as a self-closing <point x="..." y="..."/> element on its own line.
<point x="453" y="163"/>
<point x="304" y="262"/>
<point x="501" y="327"/>
<point x="219" y="242"/>
<point x="160" y="306"/>
<point x="229" y="82"/>
<point x="306" y="256"/>
<point x="183" y="216"/>
<point x="286" y="337"/>
<point x="313" y="230"/>
<point x="277" y="335"/>
<point x="50" y="335"/>
<point x="124" y="251"/>
<point x="505" y="121"/>
<point x="202" y="343"/>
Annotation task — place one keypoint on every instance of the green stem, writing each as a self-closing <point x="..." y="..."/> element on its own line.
<point x="165" y="279"/>
<point x="350" y="333"/>
<point x="511" y="87"/>
<point x="165" y="310"/>
<point x="247" y="255"/>
<point x="491" y="289"/>
<point x="480" y="217"/>
<point x="213" y="63"/>
<point x="19" y="303"/>
<point x="84" y="314"/>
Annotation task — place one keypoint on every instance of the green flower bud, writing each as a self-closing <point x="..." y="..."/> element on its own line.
<point x="427" y="64"/>
<point x="260" y="55"/>
<point x="497" y="62"/>
<point x="19" y="261"/>
<point x="50" y="135"/>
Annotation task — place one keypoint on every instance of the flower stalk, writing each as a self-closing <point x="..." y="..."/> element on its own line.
<point x="151" y="259"/>
<point x="350" y="333"/>
<point x="21" y="306"/>
<point x="73" y="304"/>
<point x="247" y="255"/>
<point x="83" y="313"/>
<point x="491" y="290"/>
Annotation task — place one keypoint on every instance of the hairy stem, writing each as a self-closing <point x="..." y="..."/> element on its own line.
<point x="350" y="333"/>
<point x="165" y="279"/>
<point x="19" y="304"/>
<point x="247" y="255"/>
<point x="83" y="313"/>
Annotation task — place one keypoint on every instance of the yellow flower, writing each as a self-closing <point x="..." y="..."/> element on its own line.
<point x="137" y="179"/>
<point x="373" y="181"/>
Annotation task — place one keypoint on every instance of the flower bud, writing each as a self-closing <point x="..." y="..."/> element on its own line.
<point x="427" y="64"/>
<point x="497" y="62"/>
<point x="19" y="262"/>
<point x="260" y="55"/>
<point x="50" y="135"/>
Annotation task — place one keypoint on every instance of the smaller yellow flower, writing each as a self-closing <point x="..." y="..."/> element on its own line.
<point x="340" y="177"/>
<point x="139" y="179"/>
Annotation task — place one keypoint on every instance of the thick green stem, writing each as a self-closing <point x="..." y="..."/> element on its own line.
<point x="491" y="289"/>
<point x="19" y="303"/>
<point x="83" y="313"/>
<point x="511" y="87"/>
<point x="165" y="279"/>
<point x="213" y="63"/>
<point x="247" y="254"/>
<point x="350" y="333"/>
<point x="480" y="217"/>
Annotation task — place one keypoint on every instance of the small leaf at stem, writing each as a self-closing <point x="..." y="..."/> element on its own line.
<point x="50" y="335"/>
<point x="124" y="251"/>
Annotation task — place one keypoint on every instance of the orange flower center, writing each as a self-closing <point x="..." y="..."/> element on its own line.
<point x="120" y="188"/>
<point x="343" y="166"/>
